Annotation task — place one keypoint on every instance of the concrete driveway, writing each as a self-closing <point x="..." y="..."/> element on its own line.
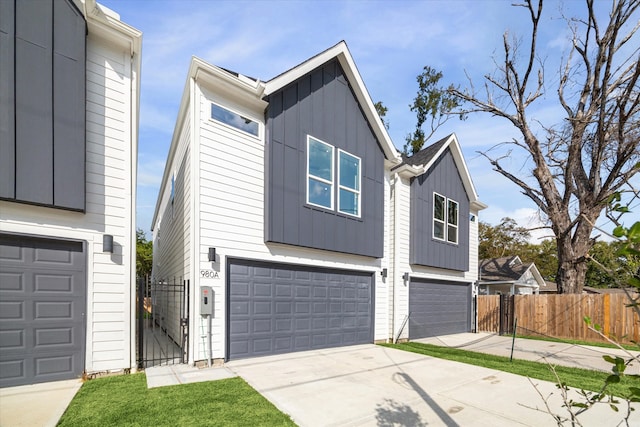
<point x="373" y="385"/>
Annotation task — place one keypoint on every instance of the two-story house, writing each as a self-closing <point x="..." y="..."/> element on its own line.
<point x="288" y="198"/>
<point x="69" y="85"/>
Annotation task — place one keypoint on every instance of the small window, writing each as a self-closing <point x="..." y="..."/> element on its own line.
<point x="319" y="173"/>
<point x="445" y="219"/>
<point x="452" y="221"/>
<point x="235" y="120"/>
<point x="349" y="171"/>
<point x="438" y="216"/>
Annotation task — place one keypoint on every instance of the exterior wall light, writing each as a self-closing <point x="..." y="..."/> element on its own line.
<point x="107" y="243"/>
<point x="384" y="272"/>
<point x="212" y="254"/>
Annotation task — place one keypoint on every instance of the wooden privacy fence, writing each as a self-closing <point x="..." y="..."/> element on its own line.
<point x="562" y="316"/>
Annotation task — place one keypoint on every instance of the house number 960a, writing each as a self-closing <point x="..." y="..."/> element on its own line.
<point x="209" y="274"/>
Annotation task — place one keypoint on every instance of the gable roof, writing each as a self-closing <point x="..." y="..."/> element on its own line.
<point x="341" y="52"/>
<point x="503" y="269"/>
<point x="424" y="159"/>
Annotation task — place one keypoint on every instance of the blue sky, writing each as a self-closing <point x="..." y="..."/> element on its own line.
<point x="390" y="41"/>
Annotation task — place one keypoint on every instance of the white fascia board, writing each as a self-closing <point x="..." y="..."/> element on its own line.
<point x="537" y="275"/>
<point x="201" y="72"/>
<point x="409" y="171"/>
<point x="456" y="151"/>
<point x="106" y="24"/>
<point x="248" y="91"/>
<point x="341" y="52"/>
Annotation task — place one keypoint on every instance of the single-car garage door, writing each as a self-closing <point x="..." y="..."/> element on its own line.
<point x="42" y="304"/>
<point x="277" y="308"/>
<point x="438" y="308"/>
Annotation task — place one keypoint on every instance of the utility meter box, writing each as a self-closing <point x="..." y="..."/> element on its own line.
<point x="206" y="300"/>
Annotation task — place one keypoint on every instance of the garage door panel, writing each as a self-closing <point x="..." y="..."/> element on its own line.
<point x="308" y="308"/>
<point x="438" y="308"/>
<point x="42" y="327"/>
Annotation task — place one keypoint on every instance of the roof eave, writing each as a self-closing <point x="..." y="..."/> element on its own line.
<point x="341" y="52"/>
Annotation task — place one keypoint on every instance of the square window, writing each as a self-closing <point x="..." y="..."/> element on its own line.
<point x="349" y="202"/>
<point x="319" y="193"/>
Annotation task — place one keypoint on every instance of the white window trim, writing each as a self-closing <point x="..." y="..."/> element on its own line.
<point x="333" y="175"/>
<point x="358" y="192"/>
<point x="453" y="225"/>
<point x="446" y="222"/>
<point x="233" y="128"/>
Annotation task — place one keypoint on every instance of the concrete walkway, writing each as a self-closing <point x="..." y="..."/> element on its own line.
<point x="371" y="385"/>
<point x="555" y="353"/>
<point x="365" y="385"/>
<point x="36" y="405"/>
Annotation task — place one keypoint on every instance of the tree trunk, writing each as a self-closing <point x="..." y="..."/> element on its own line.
<point x="572" y="266"/>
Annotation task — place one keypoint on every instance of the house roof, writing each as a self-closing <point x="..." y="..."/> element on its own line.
<point x="341" y="52"/>
<point x="422" y="161"/>
<point x="504" y="269"/>
<point x="254" y="92"/>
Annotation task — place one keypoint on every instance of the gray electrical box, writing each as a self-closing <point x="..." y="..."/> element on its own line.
<point x="206" y="300"/>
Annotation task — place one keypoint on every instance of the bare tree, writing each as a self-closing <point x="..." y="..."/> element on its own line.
<point x="578" y="165"/>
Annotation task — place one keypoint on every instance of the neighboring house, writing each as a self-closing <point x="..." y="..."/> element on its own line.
<point x="510" y="276"/>
<point x="69" y="86"/>
<point x="289" y="199"/>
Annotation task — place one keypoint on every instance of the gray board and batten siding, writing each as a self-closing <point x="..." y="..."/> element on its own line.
<point x="42" y="103"/>
<point x="438" y="308"/>
<point x="279" y="308"/>
<point x="442" y="178"/>
<point x="43" y="294"/>
<point x="321" y="104"/>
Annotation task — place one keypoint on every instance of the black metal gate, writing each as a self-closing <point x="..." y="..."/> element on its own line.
<point x="506" y="314"/>
<point x="163" y="322"/>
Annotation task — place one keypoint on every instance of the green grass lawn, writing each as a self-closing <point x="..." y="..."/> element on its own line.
<point x="574" y="377"/>
<point x="126" y="401"/>
<point x="632" y="347"/>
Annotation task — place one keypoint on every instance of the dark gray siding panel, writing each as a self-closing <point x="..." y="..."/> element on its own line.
<point x="34" y="106"/>
<point x="42" y="112"/>
<point x="444" y="179"/>
<point x="7" y="101"/>
<point x="278" y="308"/>
<point x="42" y="306"/>
<point x="69" y="108"/>
<point x="321" y="104"/>
<point x="438" y="308"/>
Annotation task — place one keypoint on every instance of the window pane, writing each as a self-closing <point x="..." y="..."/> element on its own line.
<point x="320" y="160"/>
<point x="453" y="213"/>
<point x="438" y="207"/>
<point x="438" y="230"/>
<point x="232" y="119"/>
<point x="349" y="171"/>
<point x="348" y="202"/>
<point x="319" y="193"/>
<point x="452" y="234"/>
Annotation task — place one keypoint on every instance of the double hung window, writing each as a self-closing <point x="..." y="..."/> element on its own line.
<point x="322" y="185"/>
<point x="445" y="219"/>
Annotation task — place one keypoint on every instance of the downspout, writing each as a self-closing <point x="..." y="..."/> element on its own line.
<point x="396" y="252"/>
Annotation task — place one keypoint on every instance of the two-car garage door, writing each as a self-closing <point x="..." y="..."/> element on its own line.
<point x="438" y="308"/>
<point x="42" y="304"/>
<point x="277" y="308"/>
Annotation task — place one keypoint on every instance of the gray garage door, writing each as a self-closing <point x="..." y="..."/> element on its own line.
<point x="438" y="308"/>
<point x="275" y="308"/>
<point x="42" y="304"/>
